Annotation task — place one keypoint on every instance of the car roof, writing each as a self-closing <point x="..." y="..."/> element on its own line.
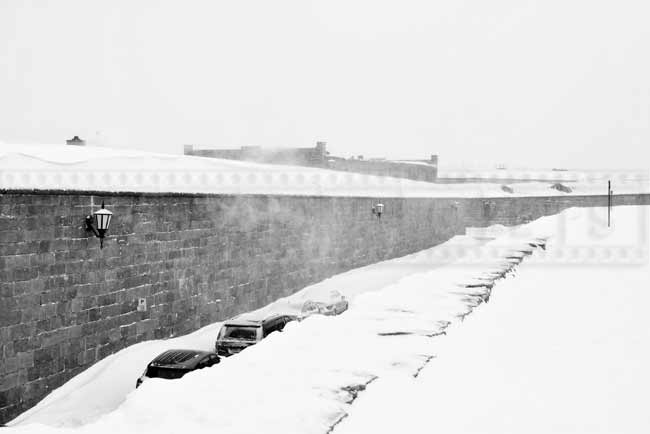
<point x="253" y="321"/>
<point x="180" y="358"/>
<point x="243" y="323"/>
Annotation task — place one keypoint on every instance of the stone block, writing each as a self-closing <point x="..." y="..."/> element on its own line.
<point x="9" y="380"/>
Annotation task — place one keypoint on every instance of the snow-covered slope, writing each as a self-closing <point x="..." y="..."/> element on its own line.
<point x="558" y="336"/>
<point x="104" y="169"/>
<point x="105" y="386"/>
<point x="559" y="349"/>
<point x="302" y="380"/>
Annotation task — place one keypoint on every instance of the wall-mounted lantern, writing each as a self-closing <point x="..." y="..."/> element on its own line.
<point x="378" y="210"/>
<point x="99" y="224"/>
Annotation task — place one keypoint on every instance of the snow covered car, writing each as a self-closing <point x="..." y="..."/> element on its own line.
<point x="335" y="305"/>
<point x="241" y="332"/>
<point x="176" y="363"/>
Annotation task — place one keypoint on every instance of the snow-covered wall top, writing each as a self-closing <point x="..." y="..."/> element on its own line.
<point x="61" y="167"/>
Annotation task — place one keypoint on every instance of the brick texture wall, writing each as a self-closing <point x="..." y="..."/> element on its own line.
<point x="65" y="304"/>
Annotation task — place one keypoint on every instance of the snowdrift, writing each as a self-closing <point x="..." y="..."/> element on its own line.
<point x="305" y="379"/>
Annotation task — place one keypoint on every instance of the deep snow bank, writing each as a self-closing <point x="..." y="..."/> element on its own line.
<point x="304" y="380"/>
<point x="561" y="348"/>
<point x="104" y="386"/>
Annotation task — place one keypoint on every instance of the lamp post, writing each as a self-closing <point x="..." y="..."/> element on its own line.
<point x="99" y="223"/>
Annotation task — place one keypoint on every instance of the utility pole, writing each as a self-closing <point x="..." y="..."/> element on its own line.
<point x="609" y="203"/>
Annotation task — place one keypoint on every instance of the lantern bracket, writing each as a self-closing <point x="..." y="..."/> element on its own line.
<point x="91" y="227"/>
<point x="98" y="223"/>
<point x="378" y="210"/>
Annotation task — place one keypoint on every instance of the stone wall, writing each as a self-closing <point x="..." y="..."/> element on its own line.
<point x="65" y="303"/>
<point x="422" y="171"/>
<point x="294" y="156"/>
<point x="418" y="170"/>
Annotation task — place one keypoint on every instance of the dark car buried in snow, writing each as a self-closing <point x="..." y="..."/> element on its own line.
<point x="175" y="363"/>
<point x="242" y="332"/>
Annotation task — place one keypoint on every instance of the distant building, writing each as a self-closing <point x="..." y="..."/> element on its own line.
<point x="76" y="141"/>
<point x="314" y="157"/>
<point x="418" y="170"/>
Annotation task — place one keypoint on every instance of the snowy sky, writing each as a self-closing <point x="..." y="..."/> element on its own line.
<point x="553" y="83"/>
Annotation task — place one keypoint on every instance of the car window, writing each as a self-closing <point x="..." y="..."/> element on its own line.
<point x="240" y="333"/>
<point x="274" y="326"/>
<point x="168" y="373"/>
<point x="208" y="361"/>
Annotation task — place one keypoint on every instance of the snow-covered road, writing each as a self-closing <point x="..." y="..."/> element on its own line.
<point x="305" y="379"/>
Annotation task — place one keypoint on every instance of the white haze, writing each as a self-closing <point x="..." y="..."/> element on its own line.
<point x="524" y="83"/>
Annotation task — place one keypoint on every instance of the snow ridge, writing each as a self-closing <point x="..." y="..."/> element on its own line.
<point x="473" y="293"/>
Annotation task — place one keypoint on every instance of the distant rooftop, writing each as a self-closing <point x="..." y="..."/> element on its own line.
<point x="76" y="141"/>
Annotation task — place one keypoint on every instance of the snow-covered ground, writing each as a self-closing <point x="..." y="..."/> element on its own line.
<point x="106" y="385"/>
<point x="104" y="169"/>
<point x="103" y="387"/>
<point x="558" y="348"/>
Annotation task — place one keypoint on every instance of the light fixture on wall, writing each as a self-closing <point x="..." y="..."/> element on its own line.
<point x="99" y="223"/>
<point x="378" y="209"/>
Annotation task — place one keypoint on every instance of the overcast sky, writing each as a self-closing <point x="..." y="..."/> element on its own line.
<point x="529" y="83"/>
